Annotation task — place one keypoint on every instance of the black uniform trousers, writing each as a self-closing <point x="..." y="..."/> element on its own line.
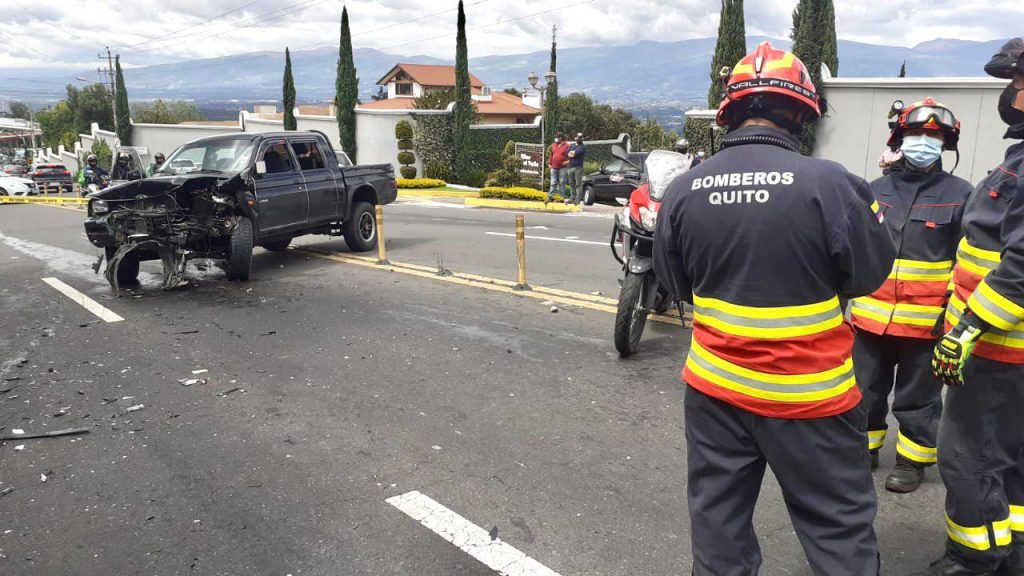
<point x="917" y="405"/>
<point x="981" y="459"/>
<point x="823" y="469"/>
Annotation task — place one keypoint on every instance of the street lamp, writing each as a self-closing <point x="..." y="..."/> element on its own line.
<point x="549" y="77"/>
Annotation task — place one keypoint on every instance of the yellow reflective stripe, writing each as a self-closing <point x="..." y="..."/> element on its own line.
<point x="1009" y="338"/>
<point x="1016" y="518"/>
<point x="974" y="268"/>
<point x="942" y="265"/>
<point x="914" y="451"/>
<point x="876" y="438"/>
<point x="769" y="322"/>
<point x="1001" y="530"/>
<point x="988" y="256"/>
<point x="994" y="308"/>
<point x="921" y="270"/>
<point x="916" y="314"/>
<point x="766" y="312"/>
<point x="776" y="387"/>
<point x="974" y="537"/>
<point x="785" y="62"/>
<point x="743" y="69"/>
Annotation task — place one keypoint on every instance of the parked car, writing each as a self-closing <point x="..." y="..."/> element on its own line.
<point x="56" y="176"/>
<point x="16" y="169"/>
<point x="616" y="179"/>
<point x="237" y="191"/>
<point x="16" y="186"/>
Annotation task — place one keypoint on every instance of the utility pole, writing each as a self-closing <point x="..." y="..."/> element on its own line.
<point x="110" y="81"/>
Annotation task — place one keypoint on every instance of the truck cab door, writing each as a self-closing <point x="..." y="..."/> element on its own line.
<point x="281" y="199"/>
<point x="321" y="187"/>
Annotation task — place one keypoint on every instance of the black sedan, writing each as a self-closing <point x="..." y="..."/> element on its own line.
<point x="616" y="179"/>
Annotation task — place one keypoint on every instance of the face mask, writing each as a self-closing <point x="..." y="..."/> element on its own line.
<point x="1011" y="102"/>
<point x="921" y="151"/>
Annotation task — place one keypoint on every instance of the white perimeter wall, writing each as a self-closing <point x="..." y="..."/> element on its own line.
<point x="856" y="130"/>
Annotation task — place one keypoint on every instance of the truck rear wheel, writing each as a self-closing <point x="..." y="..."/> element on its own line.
<point x="240" y="251"/>
<point x="361" y="229"/>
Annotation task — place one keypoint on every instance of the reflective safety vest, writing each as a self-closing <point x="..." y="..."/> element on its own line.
<point x="923" y="212"/>
<point x="764" y="242"/>
<point x="989" y="273"/>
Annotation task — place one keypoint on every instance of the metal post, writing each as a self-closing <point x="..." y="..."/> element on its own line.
<point x="382" y="251"/>
<point x="521" y="252"/>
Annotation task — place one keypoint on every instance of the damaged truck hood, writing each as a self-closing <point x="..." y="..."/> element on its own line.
<point x="168" y="185"/>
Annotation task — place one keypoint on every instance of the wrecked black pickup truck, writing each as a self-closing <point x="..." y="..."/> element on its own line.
<point x="218" y="197"/>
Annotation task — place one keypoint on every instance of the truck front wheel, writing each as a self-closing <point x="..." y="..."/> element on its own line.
<point x="127" y="268"/>
<point x="240" y="251"/>
<point x="361" y="229"/>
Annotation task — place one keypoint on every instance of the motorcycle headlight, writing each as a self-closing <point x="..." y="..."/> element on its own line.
<point x="100" y="207"/>
<point x="648" y="218"/>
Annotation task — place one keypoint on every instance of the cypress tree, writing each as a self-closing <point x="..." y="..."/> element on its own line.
<point x="731" y="46"/>
<point x="289" y="93"/>
<point x="903" y="70"/>
<point x="346" y="90"/>
<point x="551" y="100"/>
<point x="815" y="43"/>
<point x="463" y="99"/>
<point x="121" y="111"/>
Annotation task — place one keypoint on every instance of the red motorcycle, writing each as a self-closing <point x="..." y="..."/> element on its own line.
<point x="632" y="242"/>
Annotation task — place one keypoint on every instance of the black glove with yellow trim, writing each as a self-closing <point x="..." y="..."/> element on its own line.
<point x="953" y="350"/>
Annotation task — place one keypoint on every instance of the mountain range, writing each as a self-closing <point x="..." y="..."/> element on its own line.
<point x="646" y="73"/>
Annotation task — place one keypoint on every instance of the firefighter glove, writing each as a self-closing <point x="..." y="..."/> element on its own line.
<point x="953" y="350"/>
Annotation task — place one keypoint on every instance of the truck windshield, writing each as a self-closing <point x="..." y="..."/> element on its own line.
<point x="230" y="155"/>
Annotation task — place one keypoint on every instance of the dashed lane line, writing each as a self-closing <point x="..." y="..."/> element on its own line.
<point x="468" y="537"/>
<point x="84" y="301"/>
<point x="573" y="239"/>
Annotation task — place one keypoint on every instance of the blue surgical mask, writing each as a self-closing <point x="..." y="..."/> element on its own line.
<point x="921" y="151"/>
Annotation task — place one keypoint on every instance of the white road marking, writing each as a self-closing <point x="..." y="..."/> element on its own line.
<point x="468" y="537"/>
<point x="84" y="301"/>
<point x="573" y="240"/>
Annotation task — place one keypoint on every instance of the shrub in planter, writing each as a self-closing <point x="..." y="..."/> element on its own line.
<point x="403" y="130"/>
<point x="517" y="193"/>
<point x="406" y="158"/>
<point x="405" y="145"/>
<point x="419" y="183"/>
<point x="405" y="134"/>
<point x="408" y="171"/>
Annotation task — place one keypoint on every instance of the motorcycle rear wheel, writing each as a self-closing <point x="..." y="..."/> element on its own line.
<point x="631" y="316"/>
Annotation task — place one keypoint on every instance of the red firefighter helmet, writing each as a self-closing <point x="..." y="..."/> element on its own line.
<point x="769" y="71"/>
<point x="927" y="115"/>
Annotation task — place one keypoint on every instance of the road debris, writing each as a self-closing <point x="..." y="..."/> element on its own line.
<point x="435" y="447"/>
<point x="191" y="381"/>
<point x="21" y="435"/>
<point x="6" y="491"/>
<point x="135" y="408"/>
<point x="554" y="309"/>
<point x="19" y="447"/>
<point x="42" y="478"/>
<point x="200" y="371"/>
<point x="230" y="391"/>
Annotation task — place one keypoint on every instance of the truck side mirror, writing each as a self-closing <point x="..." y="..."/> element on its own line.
<point x="261" y="167"/>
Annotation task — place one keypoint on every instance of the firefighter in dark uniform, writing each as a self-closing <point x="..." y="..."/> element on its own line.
<point x="764" y="242"/>
<point x="922" y="207"/>
<point x="981" y="358"/>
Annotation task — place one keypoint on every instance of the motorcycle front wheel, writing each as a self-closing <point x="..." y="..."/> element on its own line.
<point x="631" y="316"/>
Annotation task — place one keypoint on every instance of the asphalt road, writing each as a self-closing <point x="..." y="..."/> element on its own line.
<point x="348" y="386"/>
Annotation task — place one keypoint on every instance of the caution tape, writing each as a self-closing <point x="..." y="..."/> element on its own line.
<point x="53" y="201"/>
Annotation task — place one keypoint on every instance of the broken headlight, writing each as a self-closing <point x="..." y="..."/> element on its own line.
<point x="100" y="207"/>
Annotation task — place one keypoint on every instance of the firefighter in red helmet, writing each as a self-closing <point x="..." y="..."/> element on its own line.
<point x="765" y="244"/>
<point x="922" y="206"/>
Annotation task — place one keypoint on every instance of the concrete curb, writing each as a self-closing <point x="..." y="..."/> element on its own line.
<point x="522" y="205"/>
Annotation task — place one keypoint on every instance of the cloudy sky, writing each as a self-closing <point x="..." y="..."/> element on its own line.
<point x="39" y="33"/>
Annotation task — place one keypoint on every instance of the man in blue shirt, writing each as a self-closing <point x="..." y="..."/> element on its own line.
<point x="577" y="156"/>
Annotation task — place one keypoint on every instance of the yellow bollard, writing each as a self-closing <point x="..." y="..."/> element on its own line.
<point x="382" y="251"/>
<point x="521" y="252"/>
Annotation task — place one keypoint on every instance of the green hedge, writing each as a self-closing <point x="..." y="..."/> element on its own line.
<point x="486" y="145"/>
<point x="516" y="193"/>
<point x="419" y="183"/>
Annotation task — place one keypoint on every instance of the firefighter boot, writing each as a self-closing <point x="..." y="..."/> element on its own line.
<point x="905" y="477"/>
<point x="946" y="566"/>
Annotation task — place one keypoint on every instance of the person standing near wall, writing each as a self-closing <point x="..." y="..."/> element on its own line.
<point x="577" y="156"/>
<point x="559" y="170"/>
<point x="922" y="207"/>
